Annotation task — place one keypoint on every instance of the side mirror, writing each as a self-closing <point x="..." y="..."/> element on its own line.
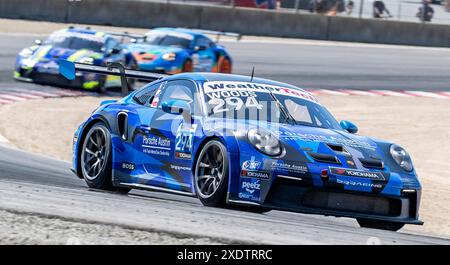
<point x="200" y="48"/>
<point x="115" y="50"/>
<point x="176" y="107"/>
<point x="38" y="42"/>
<point x="348" y="126"/>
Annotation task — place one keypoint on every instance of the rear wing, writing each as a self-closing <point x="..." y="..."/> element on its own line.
<point x="122" y="35"/>
<point x="218" y="34"/>
<point x="68" y="70"/>
<point x="126" y="34"/>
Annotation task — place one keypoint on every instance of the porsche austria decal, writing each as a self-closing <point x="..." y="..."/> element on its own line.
<point x="156" y="145"/>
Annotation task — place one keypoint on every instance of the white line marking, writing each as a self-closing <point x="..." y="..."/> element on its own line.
<point x="359" y="92"/>
<point x="426" y="94"/>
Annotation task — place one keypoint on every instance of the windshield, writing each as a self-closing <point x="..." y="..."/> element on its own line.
<point x="173" y="39"/>
<point x="251" y="101"/>
<point x="83" y="41"/>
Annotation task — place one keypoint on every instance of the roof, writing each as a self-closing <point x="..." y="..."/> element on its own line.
<point x="88" y="32"/>
<point x="191" y="32"/>
<point x="204" y="77"/>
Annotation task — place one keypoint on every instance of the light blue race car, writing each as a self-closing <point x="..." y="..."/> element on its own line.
<point x="176" y="50"/>
<point x="243" y="141"/>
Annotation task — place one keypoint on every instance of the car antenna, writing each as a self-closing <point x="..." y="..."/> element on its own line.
<point x="253" y="73"/>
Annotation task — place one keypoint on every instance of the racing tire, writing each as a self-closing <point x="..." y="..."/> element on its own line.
<point x="211" y="174"/>
<point x="378" y="224"/>
<point x="188" y="66"/>
<point x="102" y="89"/>
<point x="96" y="159"/>
<point x="224" y="65"/>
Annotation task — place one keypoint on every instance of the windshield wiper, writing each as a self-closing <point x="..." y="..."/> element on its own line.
<point x="283" y="111"/>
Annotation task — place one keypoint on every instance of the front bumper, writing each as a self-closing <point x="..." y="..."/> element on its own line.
<point x="291" y="195"/>
<point x="48" y="78"/>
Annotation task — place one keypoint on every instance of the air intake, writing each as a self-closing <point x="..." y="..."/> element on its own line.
<point x="324" y="158"/>
<point x="372" y="163"/>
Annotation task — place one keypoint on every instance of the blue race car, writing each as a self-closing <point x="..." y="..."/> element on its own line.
<point x="251" y="142"/>
<point x="176" y="50"/>
<point x="38" y="63"/>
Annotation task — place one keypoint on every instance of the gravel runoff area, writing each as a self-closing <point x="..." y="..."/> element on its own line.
<point x="31" y="229"/>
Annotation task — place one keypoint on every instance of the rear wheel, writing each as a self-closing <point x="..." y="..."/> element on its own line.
<point x="378" y="224"/>
<point x="211" y="174"/>
<point x="188" y="66"/>
<point x="224" y="65"/>
<point x="96" y="159"/>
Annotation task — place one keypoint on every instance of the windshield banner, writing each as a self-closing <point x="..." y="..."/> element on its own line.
<point x="220" y="89"/>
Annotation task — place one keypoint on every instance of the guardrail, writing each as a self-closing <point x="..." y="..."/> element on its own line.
<point x="144" y="14"/>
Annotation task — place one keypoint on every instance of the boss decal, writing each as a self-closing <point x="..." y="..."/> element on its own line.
<point x="128" y="166"/>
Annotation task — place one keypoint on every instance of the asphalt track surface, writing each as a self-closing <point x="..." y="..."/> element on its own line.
<point x="36" y="184"/>
<point x="313" y="64"/>
<point x="41" y="185"/>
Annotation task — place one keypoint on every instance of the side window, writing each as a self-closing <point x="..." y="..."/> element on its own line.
<point x="181" y="90"/>
<point x="146" y="94"/>
<point x="203" y="42"/>
<point x="110" y="43"/>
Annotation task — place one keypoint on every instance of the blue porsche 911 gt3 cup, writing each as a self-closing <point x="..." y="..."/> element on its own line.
<point x="252" y="142"/>
<point x="176" y="50"/>
<point x="38" y="63"/>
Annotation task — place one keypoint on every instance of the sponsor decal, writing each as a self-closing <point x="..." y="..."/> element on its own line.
<point x="251" y="165"/>
<point x="357" y="173"/>
<point x="182" y="155"/>
<point x="128" y="166"/>
<point x="281" y="165"/>
<point x="156" y="145"/>
<point x="180" y="168"/>
<point x="184" y="141"/>
<point x="219" y="87"/>
<point x="307" y="137"/>
<point x="359" y="184"/>
<point x="255" y="174"/>
<point x="250" y="189"/>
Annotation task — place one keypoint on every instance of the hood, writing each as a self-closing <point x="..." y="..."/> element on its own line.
<point x="151" y="50"/>
<point x="317" y="145"/>
<point x="49" y="53"/>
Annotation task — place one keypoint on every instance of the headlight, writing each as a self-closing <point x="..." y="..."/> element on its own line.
<point x="169" y="56"/>
<point x="264" y="141"/>
<point x="25" y="53"/>
<point x="86" y="60"/>
<point x="401" y="157"/>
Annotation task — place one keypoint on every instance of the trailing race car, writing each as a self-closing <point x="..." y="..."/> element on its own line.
<point x="38" y="63"/>
<point x="239" y="140"/>
<point x="176" y="50"/>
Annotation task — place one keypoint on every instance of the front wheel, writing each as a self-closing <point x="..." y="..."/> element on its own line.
<point x="96" y="159"/>
<point x="224" y="65"/>
<point x="211" y="174"/>
<point x="188" y="66"/>
<point x="377" y="224"/>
